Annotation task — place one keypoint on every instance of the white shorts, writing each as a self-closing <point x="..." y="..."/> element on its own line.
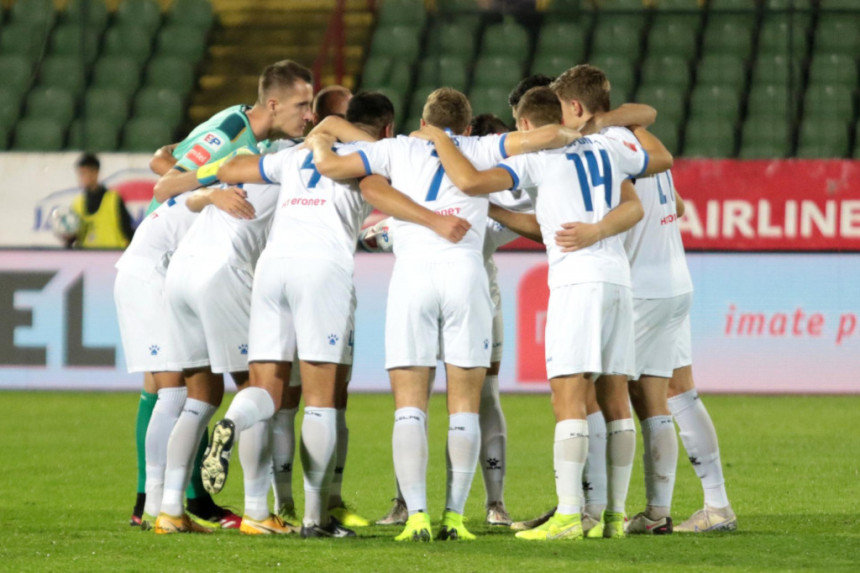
<point x="438" y="309"/>
<point x="210" y="307"/>
<point x="658" y="324"/>
<point x="498" y="340"/>
<point x="589" y="329"/>
<point x="302" y="306"/>
<point x="684" y="348"/>
<point x="142" y="313"/>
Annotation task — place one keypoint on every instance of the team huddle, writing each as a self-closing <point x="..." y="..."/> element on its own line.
<point x="246" y="268"/>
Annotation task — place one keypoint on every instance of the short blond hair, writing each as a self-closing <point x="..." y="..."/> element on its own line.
<point x="586" y="84"/>
<point x="540" y="106"/>
<point x="447" y="108"/>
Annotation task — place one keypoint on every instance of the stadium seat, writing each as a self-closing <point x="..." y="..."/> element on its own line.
<point x="117" y="72"/>
<point x="836" y="36"/>
<point x="666" y="70"/>
<point x="820" y="139"/>
<point x="10" y="106"/>
<point x="52" y="103"/>
<point x="457" y="6"/>
<point x="38" y="134"/>
<point x="185" y="42"/>
<point x="400" y="76"/>
<point x="709" y="138"/>
<point x="92" y="13"/>
<point x="826" y="101"/>
<point x="159" y="103"/>
<point x="762" y="151"/>
<point x="784" y="5"/>
<point x="729" y="36"/>
<point x="490" y="100"/>
<point x="833" y="69"/>
<point x="451" y="39"/>
<point x="566" y="7"/>
<point x="397" y="42"/>
<point x="65" y="72"/>
<point x="564" y="39"/>
<point x="171" y="73"/>
<point x="667" y="132"/>
<point x="401" y="13"/>
<point x="497" y="71"/>
<point x="17" y="73"/>
<point x="719" y="70"/>
<point x="75" y="40"/>
<point x="145" y="135"/>
<point x="857" y="141"/>
<point x="671" y="37"/>
<point x="623" y="7"/>
<point x="619" y="95"/>
<point x="507" y="39"/>
<point x="36" y="12"/>
<point x="550" y="64"/>
<point x="23" y="40"/>
<point x="144" y="14"/>
<point x="733" y="6"/>
<point x="444" y="71"/>
<point x="669" y="101"/>
<point x="128" y="42"/>
<point x="94" y="134"/>
<point x="715" y="103"/>
<point x="779" y="35"/>
<point x="777" y="70"/>
<point x="771" y="101"/>
<point x="4" y="137"/>
<point x="397" y="97"/>
<point x="419" y="98"/>
<point x="618" y="70"/>
<point x="375" y="71"/>
<point x="617" y="37"/>
<point x="197" y="13"/>
<point x="110" y="104"/>
<point x="762" y="132"/>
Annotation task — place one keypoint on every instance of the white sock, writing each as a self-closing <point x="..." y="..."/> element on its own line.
<point x="283" y="453"/>
<point x="409" y="447"/>
<point x="181" y="447"/>
<point x="594" y="476"/>
<point x="659" y="461"/>
<point x="464" y="447"/>
<point x="700" y="441"/>
<point x="494" y="437"/>
<point x="164" y="416"/>
<point x="335" y="498"/>
<point x="620" y="449"/>
<point x="255" y="455"/>
<point x="319" y="437"/>
<point x="569" y="453"/>
<point x="250" y="406"/>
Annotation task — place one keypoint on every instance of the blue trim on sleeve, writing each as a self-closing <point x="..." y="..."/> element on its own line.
<point x="263" y="172"/>
<point x="644" y="167"/>
<point x="502" y="146"/>
<point x="512" y="174"/>
<point x="365" y="161"/>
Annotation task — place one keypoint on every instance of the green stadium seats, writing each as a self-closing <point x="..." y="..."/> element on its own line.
<point x="10" y="106"/>
<point x="400" y="76"/>
<point x="836" y="36"/>
<point x="159" y="103"/>
<point x="833" y="69"/>
<point x="75" y="40"/>
<point x="23" y="40"/>
<point x="618" y="70"/>
<point x="197" y="13"/>
<point x="375" y="71"/>
<point x="37" y="12"/>
<point x="457" y="6"/>
<point x="419" y="97"/>
<point x="185" y="42"/>
<point x="667" y="132"/>
<point x="551" y="65"/>
<point x="4" y="137"/>
<point x="94" y="135"/>
<point x="771" y="101"/>
<point x="172" y="73"/>
<point x="409" y="125"/>
<point x="670" y="37"/>
<point x="397" y="97"/>
<point x="776" y="69"/>
<point x="719" y="70"/>
<point x="729" y="36"/>
<point x="780" y="36"/>
<point x="117" y="72"/>
<point x="669" y="101"/>
<point x="90" y="13"/>
<point x="566" y="7"/>
<point x="839" y="5"/>
<point x="619" y="95"/>
<point x="128" y="42"/>
<point x="145" y="14"/>
<point x="38" y="134"/>
<point x="17" y="73"/>
<point x="826" y="101"/>
<point x="733" y="6"/>
<point x="620" y="6"/>
<point x="709" y="138"/>
<point x="65" y="72"/>
<point x="760" y="132"/>
<point x="715" y="103"/>
<point x="401" y="13"/>
<point x="565" y="39"/>
<point x="109" y="104"/>
<point x="53" y="103"/>
<point x="497" y="71"/>
<point x="490" y="100"/>
<point x="507" y="39"/>
<point x="397" y="42"/>
<point x="451" y="39"/>
<point x="857" y="141"/>
<point x="763" y="151"/>
<point x="444" y="71"/>
<point x="821" y="139"/>
<point x="146" y="135"/>
<point x="617" y="37"/>
<point x="666" y="70"/>
<point x="785" y="5"/>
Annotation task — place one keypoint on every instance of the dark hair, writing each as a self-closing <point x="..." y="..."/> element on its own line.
<point x="447" y="108"/>
<point x="540" y="106"/>
<point x="487" y="124"/>
<point x="373" y="109"/>
<point x="88" y="160"/>
<point x="326" y="99"/>
<point x="537" y="80"/>
<point x="281" y="75"/>
<point x="586" y="84"/>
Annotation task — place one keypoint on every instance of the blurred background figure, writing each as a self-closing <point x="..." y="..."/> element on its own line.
<point x="488" y="124"/>
<point x="105" y="222"/>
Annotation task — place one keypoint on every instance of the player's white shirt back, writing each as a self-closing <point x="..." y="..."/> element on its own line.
<point x="658" y="265"/>
<point x="497" y="234"/>
<point x="412" y="166"/>
<point x="580" y="183"/>
<point x="316" y="217"/>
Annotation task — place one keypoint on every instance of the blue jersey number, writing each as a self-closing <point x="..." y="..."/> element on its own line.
<point x="663" y="197"/>
<point x="597" y="179"/>
<point x="315" y="176"/>
<point x="433" y="190"/>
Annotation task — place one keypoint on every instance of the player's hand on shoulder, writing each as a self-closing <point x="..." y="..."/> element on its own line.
<point x="233" y="200"/>
<point x="569" y="135"/>
<point x="428" y="132"/>
<point x="451" y="227"/>
<point x="576" y="236"/>
<point x="320" y="139"/>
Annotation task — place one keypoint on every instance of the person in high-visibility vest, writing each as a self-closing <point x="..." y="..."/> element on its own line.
<point x="105" y="220"/>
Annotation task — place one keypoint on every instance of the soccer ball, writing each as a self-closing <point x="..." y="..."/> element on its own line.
<point x="377" y="238"/>
<point x="65" y="223"/>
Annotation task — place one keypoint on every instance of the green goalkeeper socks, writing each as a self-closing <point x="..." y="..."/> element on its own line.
<point x="195" y="486"/>
<point x="144" y="412"/>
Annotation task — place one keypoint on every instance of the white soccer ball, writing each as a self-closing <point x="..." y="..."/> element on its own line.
<point x="377" y="238"/>
<point x="65" y="223"/>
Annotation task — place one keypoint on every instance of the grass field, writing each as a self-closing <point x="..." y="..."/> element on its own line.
<point x="792" y="465"/>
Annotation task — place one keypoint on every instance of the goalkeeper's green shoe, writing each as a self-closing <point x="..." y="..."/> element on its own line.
<point x="613" y="525"/>
<point x="453" y="528"/>
<point x="592" y="528"/>
<point x="347" y="516"/>
<point x="417" y="528"/>
<point x="559" y="526"/>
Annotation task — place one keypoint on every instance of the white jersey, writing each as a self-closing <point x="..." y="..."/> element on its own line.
<point x="412" y="166"/>
<point x="497" y="234"/>
<point x="658" y="265"/>
<point x="316" y="217"/>
<point x="156" y="238"/>
<point x="580" y="183"/>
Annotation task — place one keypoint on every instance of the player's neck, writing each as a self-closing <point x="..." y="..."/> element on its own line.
<point x="260" y="122"/>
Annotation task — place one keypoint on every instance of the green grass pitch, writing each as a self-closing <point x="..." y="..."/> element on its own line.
<point x="792" y="465"/>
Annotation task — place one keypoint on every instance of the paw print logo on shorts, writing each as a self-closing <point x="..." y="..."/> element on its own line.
<point x="243" y="349"/>
<point x="153" y="350"/>
<point x="332" y="339"/>
<point x="486" y="344"/>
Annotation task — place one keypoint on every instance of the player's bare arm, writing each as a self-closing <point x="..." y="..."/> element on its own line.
<point x="575" y="236"/>
<point x="332" y="165"/>
<point x="623" y="116"/>
<point x="241" y="169"/>
<point x="523" y="224"/>
<point x="173" y="183"/>
<point x="378" y="192"/>
<point x="341" y="130"/>
<point x="163" y="161"/>
<point x="660" y="159"/>
<point x="550" y="136"/>
<point x="231" y="200"/>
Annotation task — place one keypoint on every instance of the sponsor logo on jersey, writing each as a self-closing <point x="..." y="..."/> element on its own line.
<point x="332" y="339"/>
<point x="153" y="350"/>
<point x="630" y="145"/>
<point x="199" y="155"/>
<point x="212" y="140"/>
